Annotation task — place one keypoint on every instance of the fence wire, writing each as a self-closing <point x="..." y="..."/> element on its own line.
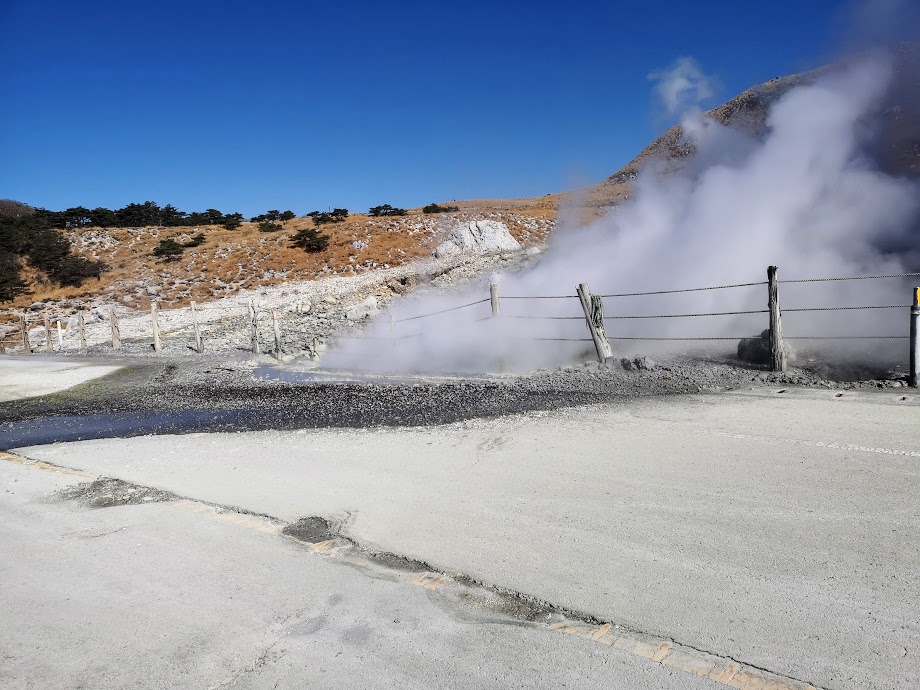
<point x="846" y="337"/>
<point x="873" y="306"/>
<point x="442" y="311"/>
<point x="680" y="316"/>
<point x="671" y="292"/>
<point x="828" y="280"/>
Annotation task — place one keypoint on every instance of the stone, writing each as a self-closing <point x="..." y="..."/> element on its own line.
<point x="477" y="237"/>
<point x="38" y="306"/>
<point x="364" y="309"/>
<point x="644" y="363"/>
<point x="151" y="291"/>
<point x="359" y="244"/>
<point x="757" y="350"/>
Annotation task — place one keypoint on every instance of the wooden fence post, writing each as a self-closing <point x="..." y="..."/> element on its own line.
<point x="254" y="325"/>
<point x="777" y="347"/>
<point x="116" y="330"/>
<point x="82" y="326"/>
<point x="26" y="348"/>
<point x="593" y="307"/>
<point x="48" y="345"/>
<point x="276" y="327"/>
<point x="914" y="380"/>
<point x="199" y="343"/>
<point x="60" y="337"/>
<point x="493" y="299"/>
<point x="155" y="320"/>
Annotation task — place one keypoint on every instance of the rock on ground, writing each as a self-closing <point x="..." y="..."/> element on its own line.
<point x="478" y="237"/>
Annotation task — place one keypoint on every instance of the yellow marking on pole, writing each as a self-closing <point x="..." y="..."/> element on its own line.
<point x="48" y="467"/>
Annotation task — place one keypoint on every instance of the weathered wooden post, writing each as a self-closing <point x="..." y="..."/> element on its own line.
<point x="276" y="327"/>
<point x="116" y="330"/>
<point x="593" y="306"/>
<point x="497" y="312"/>
<point x="777" y="348"/>
<point x="199" y="343"/>
<point x="26" y="348"/>
<point x="914" y="380"/>
<point x="155" y="320"/>
<point x="48" y="333"/>
<point x="254" y="325"/>
<point x="60" y="335"/>
<point x="392" y="331"/>
<point x="82" y="326"/>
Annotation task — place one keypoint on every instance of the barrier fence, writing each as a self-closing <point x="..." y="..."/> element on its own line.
<point x="592" y="307"/>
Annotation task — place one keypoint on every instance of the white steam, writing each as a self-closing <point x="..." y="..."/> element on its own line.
<point x="683" y="86"/>
<point x="801" y="196"/>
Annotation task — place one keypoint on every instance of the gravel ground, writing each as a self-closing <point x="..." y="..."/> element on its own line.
<point x="212" y="393"/>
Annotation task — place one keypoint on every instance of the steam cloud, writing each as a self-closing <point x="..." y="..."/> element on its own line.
<point x="682" y="86"/>
<point x="804" y="196"/>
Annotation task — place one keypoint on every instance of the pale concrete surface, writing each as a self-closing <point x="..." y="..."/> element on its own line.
<point x="780" y="529"/>
<point x="155" y="596"/>
<point x="30" y="377"/>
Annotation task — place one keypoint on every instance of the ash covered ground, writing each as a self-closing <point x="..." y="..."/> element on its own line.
<point x="210" y="393"/>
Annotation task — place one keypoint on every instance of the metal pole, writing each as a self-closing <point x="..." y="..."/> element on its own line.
<point x="914" y="340"/>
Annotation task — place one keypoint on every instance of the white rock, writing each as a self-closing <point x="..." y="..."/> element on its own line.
<point x="478" y="237"/>
<point x="362" y="310"/>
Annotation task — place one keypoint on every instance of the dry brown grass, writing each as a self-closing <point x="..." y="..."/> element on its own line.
<point x="230" y="260"/>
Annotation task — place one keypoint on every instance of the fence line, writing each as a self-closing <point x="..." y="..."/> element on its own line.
<point x="443" y="311"/>
<point x="680" y="316"/>
<point x="829" y="280"/>
<point x="592" y="305"/>
<point x="671" y="292"/>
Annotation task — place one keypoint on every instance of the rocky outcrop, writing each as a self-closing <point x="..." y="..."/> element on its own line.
<point x="362" y="310"/>
<point x="478" y="237"/>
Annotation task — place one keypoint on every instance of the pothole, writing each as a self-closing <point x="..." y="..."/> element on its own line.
<point x="310" y="529"/>
<point x="107" y="492"/>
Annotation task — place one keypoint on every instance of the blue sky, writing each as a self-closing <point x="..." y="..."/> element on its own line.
<point x="246" y="106"/>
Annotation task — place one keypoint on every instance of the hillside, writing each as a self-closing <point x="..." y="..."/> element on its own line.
<point x="229" y="260"/>
<point x="245" y="258"/>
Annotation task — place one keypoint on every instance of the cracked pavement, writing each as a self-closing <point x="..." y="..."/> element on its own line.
<point x="775" y="529"/>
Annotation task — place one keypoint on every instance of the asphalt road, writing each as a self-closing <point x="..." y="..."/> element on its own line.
<point x="777" y="529"/>
<point x="173" y="595"/>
